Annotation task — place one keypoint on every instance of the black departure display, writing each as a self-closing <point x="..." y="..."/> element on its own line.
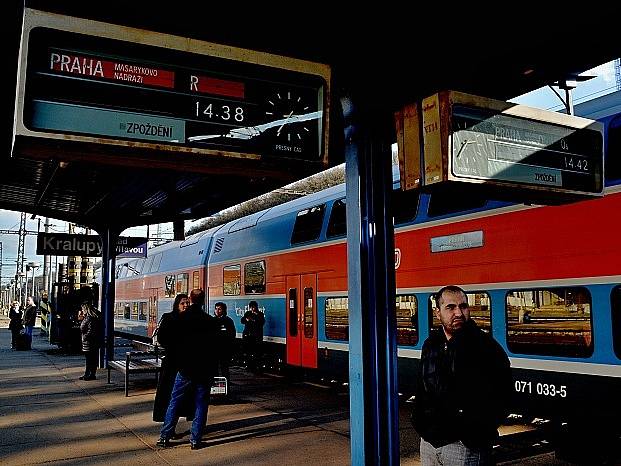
<point x="497" y="146"/>
<point x="108" y="88"/>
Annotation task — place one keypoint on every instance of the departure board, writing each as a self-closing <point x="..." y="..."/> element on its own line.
<point x="114" y="87"/>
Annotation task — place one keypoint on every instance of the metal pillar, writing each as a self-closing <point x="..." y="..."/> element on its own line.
<point x="374" y="412"/>
<point x="109" y="239"/>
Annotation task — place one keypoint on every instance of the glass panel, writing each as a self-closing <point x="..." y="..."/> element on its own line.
<point x="553" y="321"/>
<point x="148" y="264"/>
<point x="293" y="312"/>
<point x="309" y="308"/>
<point x="169" y="286"/>
<point x="157" y="259"/>
<point x="127" y="311"/>
<point x="254" y="277"/>
<point x="449" y="202"/>
<point x="134" y="311"/>
<point x="407" y="319"/>
<point x="615" y="304"/>
<point x="232" y="280"/>
<point x="337" y="318"/>
<point x="337" y="225"/>
<point x="196" y="279"/>
<point x="480" y="307"/>
<point x="308" y="224"/>
<point x="142" y="311"/>
<point x="183" y="282"/>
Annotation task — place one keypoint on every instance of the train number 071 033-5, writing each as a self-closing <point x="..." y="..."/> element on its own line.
<point x="544" y="389"/>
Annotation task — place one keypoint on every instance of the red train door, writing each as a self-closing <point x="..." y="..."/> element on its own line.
<point x="302" y="320"/>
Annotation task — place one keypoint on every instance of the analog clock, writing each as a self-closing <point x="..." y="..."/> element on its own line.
<point x="292" y="117"/>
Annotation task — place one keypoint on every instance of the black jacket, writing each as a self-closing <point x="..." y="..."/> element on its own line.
<point x="225" y="334"/>
<point x="253" y="325"/>
<point x="464" y="385"/>
<point x="30" y="316"/>
<point x="91" y="330"/>
<point x="15" y="322"/>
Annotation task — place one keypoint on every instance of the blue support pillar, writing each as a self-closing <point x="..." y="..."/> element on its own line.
<point x="374" y="415"/>
<point x="109" y="239"/>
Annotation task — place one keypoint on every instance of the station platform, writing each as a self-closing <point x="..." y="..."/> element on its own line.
<point x="49" y="416"/>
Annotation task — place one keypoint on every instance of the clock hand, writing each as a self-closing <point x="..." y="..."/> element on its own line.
<point x="284" y="123"/>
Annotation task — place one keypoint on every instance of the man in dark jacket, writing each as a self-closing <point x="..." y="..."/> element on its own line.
<point x="225" y="339"/>
<point x="196" y="362"/>
<point x="30" y="317"/>
<point x="463" y="387"/>
<point x="252" y="336"/>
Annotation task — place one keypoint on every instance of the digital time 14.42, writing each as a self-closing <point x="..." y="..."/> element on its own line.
<point x="219" y="112"/>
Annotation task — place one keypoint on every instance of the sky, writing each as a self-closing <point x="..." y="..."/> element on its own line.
<point x="545" y="98"/>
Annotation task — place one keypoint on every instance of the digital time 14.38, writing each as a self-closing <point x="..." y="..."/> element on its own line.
<point x="210" y="111"/>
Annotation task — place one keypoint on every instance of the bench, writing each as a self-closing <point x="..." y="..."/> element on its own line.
<point x="144" y="358"/>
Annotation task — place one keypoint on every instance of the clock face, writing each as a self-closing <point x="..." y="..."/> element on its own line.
<point x="293" y="118"/>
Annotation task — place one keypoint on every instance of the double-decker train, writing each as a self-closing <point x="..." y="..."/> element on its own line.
<point x="545" y="281"/>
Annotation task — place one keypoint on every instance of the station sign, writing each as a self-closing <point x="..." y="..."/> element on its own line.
<point x="453" y="137"/>
<point x="118" y="87"/>
<point x="63" y="244"/>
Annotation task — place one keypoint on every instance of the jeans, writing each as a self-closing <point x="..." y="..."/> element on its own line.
<point x="28" y="331"/>
<point x="453" y="454"/>
<point x="201" y="401"/>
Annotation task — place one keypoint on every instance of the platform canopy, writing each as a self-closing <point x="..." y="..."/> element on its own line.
<point x="383" y="57"/>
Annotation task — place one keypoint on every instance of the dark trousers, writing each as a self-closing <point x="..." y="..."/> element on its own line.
<point x="92" y="358"/>
<point x="224" y="361"/>
<point x="14" y="336"/>
<point x="252" y="350"/>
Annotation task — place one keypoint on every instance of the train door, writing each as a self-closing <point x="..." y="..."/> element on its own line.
<point x="302" y="320"/>
<point x="152" y="315"/>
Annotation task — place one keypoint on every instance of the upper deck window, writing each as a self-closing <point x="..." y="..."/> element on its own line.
<point x="308" y="224"/>
<point x="337" y="225"/>
<point x="613" y="150"/>
<point x="404" y="206"/>
<point x="450" y="201"/>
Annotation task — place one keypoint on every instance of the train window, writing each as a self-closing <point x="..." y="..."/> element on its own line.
<point x="254" y="277"/>
<point x="183" y="283"/>
<point x="407" y="319"/>
<point x="293" y="312"/>
<point x="118" y="310"/>
<point x="337" y="318"/>
<point x="147" y="265"/>
<point x="196" y="280"/>
<point x="404" y="206"/>
<point x="551" y="321"/>
<point x="309" y="314"/>
<point x="450" y="201"/>
<point x="157" y="259"/>
<point x="232" y="280"/>
<point x="127" y="311"/>
<point x="134" y="311"/>
<point x="480" y="307"/>
<point x="337" y="225"/>
<point x="308" y="224"/>
<point x="169" y="286"/>
<point x="142" y="311"/>
<point x="615" y="305"/>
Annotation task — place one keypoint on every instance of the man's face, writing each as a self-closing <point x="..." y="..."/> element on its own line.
<point x="29" y="301"/>
<point x="219" y="311"/>
<point x="452" y="311"/>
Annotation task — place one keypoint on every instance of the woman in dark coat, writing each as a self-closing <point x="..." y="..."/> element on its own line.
<point x="15" y="322"/>
<point x="169" y="337"/>
<point x="90" y="328"/>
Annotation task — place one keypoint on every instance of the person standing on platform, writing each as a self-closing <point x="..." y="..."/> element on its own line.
<point x="15" y="323"/>
<point x="252" y="336"/>
<point x="464" y="385"/>
<point x="30" y="318"/>
<point x="169" y="337"/>
<point x="196" y="370"/>
<point x="225" y="339"/>
<point x="90" y="329"/>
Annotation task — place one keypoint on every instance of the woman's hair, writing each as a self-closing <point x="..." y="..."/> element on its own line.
<point x="178" y="299"/>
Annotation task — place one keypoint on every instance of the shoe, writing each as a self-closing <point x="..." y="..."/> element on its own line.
<point x="195" y="445"/>
<point x="162" y="442"/>
<point x="90" y="377"/>
<point x="83" y="377"/>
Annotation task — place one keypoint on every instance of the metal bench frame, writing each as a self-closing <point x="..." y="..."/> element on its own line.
<point x="138" y="362"/>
